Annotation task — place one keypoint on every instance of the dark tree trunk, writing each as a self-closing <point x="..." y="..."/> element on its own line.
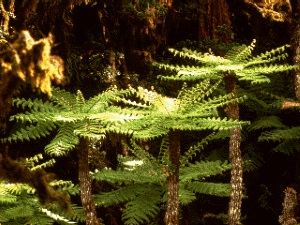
<point x="236" y="182"/>
<point x="85" y="183"/>
<point x="214" y="15"/>
<point x="172" y="204"/>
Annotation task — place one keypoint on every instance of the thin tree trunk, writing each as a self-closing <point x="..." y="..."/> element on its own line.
<point x="296" y="49"/>
<point x="86" y="184"/>
<point x="236" y="182"/>
<point x="172" y="204"/>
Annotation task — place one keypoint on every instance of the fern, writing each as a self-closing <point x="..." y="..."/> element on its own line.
<point x="209" y="188"/>
<point x="238" y="60"/>
<point x="280" y="135"/>
<point x="146" y="180"/>
<point x="202" y="170"/>
<point x="267" y="123"/>
<point x="138" y="210"/>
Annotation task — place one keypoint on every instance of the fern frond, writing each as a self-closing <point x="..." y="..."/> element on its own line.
<point x="64" y="99"/>
<point x="240" y="53"/>
<point x="201" y="170"/>
<point x="64" y="141"/>
<point x="18" y="188"/>
<point x="56" y="217"/>
<point x="280" y="135"/>
<point x="186" y="196"/>
<point x="35" y="104"/>
<point x="200" y="57"/>
<point x="66" y="186"/>
<point x="267" y="122"/>
<point x="41" y="129"/>
<point x="125" y="177"/>
<point x="216" y="189"/>
<point x="123" y="194"/>
<point x="198" y="124"/>
<point x="268" y="57"/>
<point x="238" y="61"/>
<point x="49" y="163"/>
<point x="140" y="211"/>
<point x="196" y="148"/>
<point x="287" y="147"/>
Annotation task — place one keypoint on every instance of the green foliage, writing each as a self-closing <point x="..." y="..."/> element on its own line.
<point x="193" y="110"/>
<point x="144" y="176"/>
<point x="20" y="205"/>
<point x="238" y="60"/>
<point x="74" y="117"/>
<point x="146" y="180"/>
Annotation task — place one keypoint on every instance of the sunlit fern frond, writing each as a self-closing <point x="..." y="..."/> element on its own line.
<point x="64" y="141"/>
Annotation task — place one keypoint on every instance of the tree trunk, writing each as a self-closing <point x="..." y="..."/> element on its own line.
<point x="236" y="182"/>
<point x="172" y="204"/>
<point x="296" y="49"/>
<point x="214" y="21"/>
<point x="86" y="184"/>
<point x="289" y="207"/>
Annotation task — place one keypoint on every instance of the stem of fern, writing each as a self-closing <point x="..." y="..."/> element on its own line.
<point x="172" y="204"/>
<point x="236" y="182"/>
<point x="86" y="184"/>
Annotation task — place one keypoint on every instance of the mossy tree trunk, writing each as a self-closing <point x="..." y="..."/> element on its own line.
<point x="236" y="182"/>
<point x="296" y="61"/>
<point x="296" y="48"/>
<point x="86" y="184"/>
<point x="172" y="203"/>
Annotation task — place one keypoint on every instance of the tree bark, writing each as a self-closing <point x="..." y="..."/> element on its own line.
<point x="86" y="184"/>
<point x="214" y="14"/>
<point x="236" y="182"/>
<point x="296" y="49"/>
<point x="172" y="204"/>
<point x="289" y="207"/>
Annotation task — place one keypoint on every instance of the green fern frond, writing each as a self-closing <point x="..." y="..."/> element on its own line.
<point x="64" y="141"/>
<point x="267" y="122"/>
<point x="5" y="196"/>
<point x="123" y="194"/>
<point x="280" y="135"/>
<point x="196" y="148"/>
<point x="34" y="105"/>
<point x="17" y="188"/>
<point x="80" y="101"/>
<point x="216" y="189"/>
<point x="186" y="196"/>
<point x="66" y="186"/>
<point x="57" y="217"/>
<point x="140" y="211"/>
<point x="49" y="163"/>
<point x="41" y="129"/>
<point x="240" y="53"/>
<point x="206" y="58"/>
<point x="199" y="124"/>
<point x="64" y="99"/>
<point x="163" y="155"/>
<point x="238" y="61"/>
<point x="274" y="55"/>
<point x="123" y="177"/>
<point x="287" y="147"/>
<point x="201" y="170"/>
